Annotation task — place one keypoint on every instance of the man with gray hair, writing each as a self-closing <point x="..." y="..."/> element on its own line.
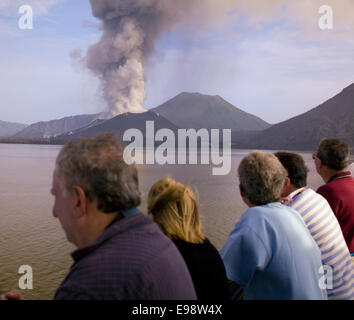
<point x="121" y="253"/>
<point x="271" y="253"/>
<point x="332" y="162"/>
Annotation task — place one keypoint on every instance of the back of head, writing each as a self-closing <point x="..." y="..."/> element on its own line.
<point x="261" y="177"/>
<point x="334" y="154"/>
<point x="295" y="166"/>
<point x="175" y="209"/>
<point x="98" y="167"/>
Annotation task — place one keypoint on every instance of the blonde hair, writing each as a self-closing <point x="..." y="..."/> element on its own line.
<point x="176" y="210"/>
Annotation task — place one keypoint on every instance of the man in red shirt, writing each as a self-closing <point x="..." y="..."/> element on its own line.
<point x="332" y="161"/>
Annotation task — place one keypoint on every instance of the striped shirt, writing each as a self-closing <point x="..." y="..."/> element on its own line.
<point x="325" y="230"/>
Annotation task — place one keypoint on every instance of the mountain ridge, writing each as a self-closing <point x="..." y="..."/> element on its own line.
<point x="118" y="125"/>
<point x="333" y="118"/>
<point x="10" y="128"/>
<point x="47" y="129"/>
<point x="196" y="110"/>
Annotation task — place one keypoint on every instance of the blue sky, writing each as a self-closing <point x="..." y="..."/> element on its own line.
<point x="271" y="65"/>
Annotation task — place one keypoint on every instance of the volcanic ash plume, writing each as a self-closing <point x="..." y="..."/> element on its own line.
<point x="130" y="29"/>
<point x="118" y="58"/>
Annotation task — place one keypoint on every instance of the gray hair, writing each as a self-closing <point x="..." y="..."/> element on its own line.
<point x="334" y="154"/>
<point x="262" y="177"/>
<point x="97" y="166"/>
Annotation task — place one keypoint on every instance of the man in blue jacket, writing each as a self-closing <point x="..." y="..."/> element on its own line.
<point x="271" y="253"/>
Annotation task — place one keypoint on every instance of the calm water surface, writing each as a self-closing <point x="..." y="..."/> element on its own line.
<point x="29" y="235"/>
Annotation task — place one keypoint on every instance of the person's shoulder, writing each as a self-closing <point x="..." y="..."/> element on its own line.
<point x="208" y="243"/>
<point x="209" y="247"/>
<point x="195" y="248"/>
<point x="276" y="216"/>
<point x="135" y="239"/>
<point x="287" y="214"/>
<point x="314" y="195"/>
<point x="253" y="216"/>
<point x="309" y="195"/>
<point x="328" y="190"/>
<point x="268" y="211"/>
<point x="288" y="209"/>
<point x="259" y="218"/>
<point x="183" y="246"/>
<point x="256" y="212"/>
<point x="249" y="218"/>
<point x="136" y="225"/>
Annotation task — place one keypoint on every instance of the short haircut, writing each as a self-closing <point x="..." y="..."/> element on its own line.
<point x="98" y="167"/>
<point x="261" y="177"/>
<point x="334" y="154"/>
<point x="176" y="210"/>
<point x="295" y="165"/>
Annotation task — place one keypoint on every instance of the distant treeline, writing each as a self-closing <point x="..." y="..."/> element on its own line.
<point x="19" y="140"/>
<point x="236" y="143"/>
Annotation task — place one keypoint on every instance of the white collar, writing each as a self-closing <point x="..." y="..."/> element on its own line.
<point x="296" y="192"/>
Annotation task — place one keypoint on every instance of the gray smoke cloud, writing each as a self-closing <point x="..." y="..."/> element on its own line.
<point x="130" y="30"/>
<point x="132" y="27"/>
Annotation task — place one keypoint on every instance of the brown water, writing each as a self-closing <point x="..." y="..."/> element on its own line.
<point x="29" y="235"/>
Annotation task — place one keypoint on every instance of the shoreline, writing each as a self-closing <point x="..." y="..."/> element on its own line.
<point x="50" y="141"/>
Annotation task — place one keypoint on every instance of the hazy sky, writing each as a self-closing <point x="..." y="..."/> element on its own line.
<point x="269" y="58"/>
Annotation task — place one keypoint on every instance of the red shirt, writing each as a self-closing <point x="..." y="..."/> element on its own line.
<point x="339" y="192"/>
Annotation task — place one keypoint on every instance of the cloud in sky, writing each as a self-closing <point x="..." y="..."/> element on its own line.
<point x="223" y="12"/>
<point x="277" y="70"/>
<point x="303" y="13"/>
<point x="131" y="29"/>
<point x="273" y="79"/>
<point x="266" y="57"/>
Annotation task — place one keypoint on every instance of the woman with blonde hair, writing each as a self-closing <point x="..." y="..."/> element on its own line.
<point x="174" y="207"/>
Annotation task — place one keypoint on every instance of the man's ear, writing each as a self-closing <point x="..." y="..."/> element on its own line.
<point x="79" y="201"/>
<point x="320" y="163"/>
<point x="287" y="182"/>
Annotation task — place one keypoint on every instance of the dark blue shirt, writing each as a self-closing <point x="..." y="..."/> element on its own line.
<point x="131" y="260"/>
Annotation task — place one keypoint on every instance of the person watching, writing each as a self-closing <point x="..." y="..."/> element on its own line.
<point x="322" y="224"/>
<point x="270" y="252"/>
<point x="332" y="162"/>
<point x="174" y="207"/>
<point x="121" y="254"/>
